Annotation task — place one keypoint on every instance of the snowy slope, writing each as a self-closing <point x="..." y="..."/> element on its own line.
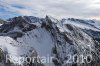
<point x="84" y="24"/>
<point x="37" y="39"/>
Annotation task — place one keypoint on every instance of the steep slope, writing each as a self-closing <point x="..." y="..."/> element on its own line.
<point x="63" y="42"/>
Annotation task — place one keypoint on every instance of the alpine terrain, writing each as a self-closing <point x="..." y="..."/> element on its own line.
<point x="33" y="41"/>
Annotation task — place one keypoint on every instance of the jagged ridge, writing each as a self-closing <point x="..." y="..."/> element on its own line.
<point x="60" y="38"/>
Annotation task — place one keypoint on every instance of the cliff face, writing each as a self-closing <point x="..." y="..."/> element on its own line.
<point x="69" y="42"/>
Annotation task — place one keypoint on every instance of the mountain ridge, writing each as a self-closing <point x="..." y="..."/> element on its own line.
<point x="33" y="36"/>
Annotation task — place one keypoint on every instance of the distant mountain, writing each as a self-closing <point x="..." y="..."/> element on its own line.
<point x="70" y="42"/>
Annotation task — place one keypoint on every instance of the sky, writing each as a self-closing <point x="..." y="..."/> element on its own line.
<point x="85" y="9"/>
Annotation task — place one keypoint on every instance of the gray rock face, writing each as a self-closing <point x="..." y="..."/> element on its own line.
<point x="71" y="45"/>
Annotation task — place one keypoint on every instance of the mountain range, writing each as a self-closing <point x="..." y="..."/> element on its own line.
<point x="68" y="42"/>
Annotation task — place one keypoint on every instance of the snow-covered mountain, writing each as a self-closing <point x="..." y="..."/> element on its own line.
<point x="66" y="42"/>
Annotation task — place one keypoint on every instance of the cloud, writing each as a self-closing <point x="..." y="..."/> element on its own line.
<point x="55" y="8"/>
